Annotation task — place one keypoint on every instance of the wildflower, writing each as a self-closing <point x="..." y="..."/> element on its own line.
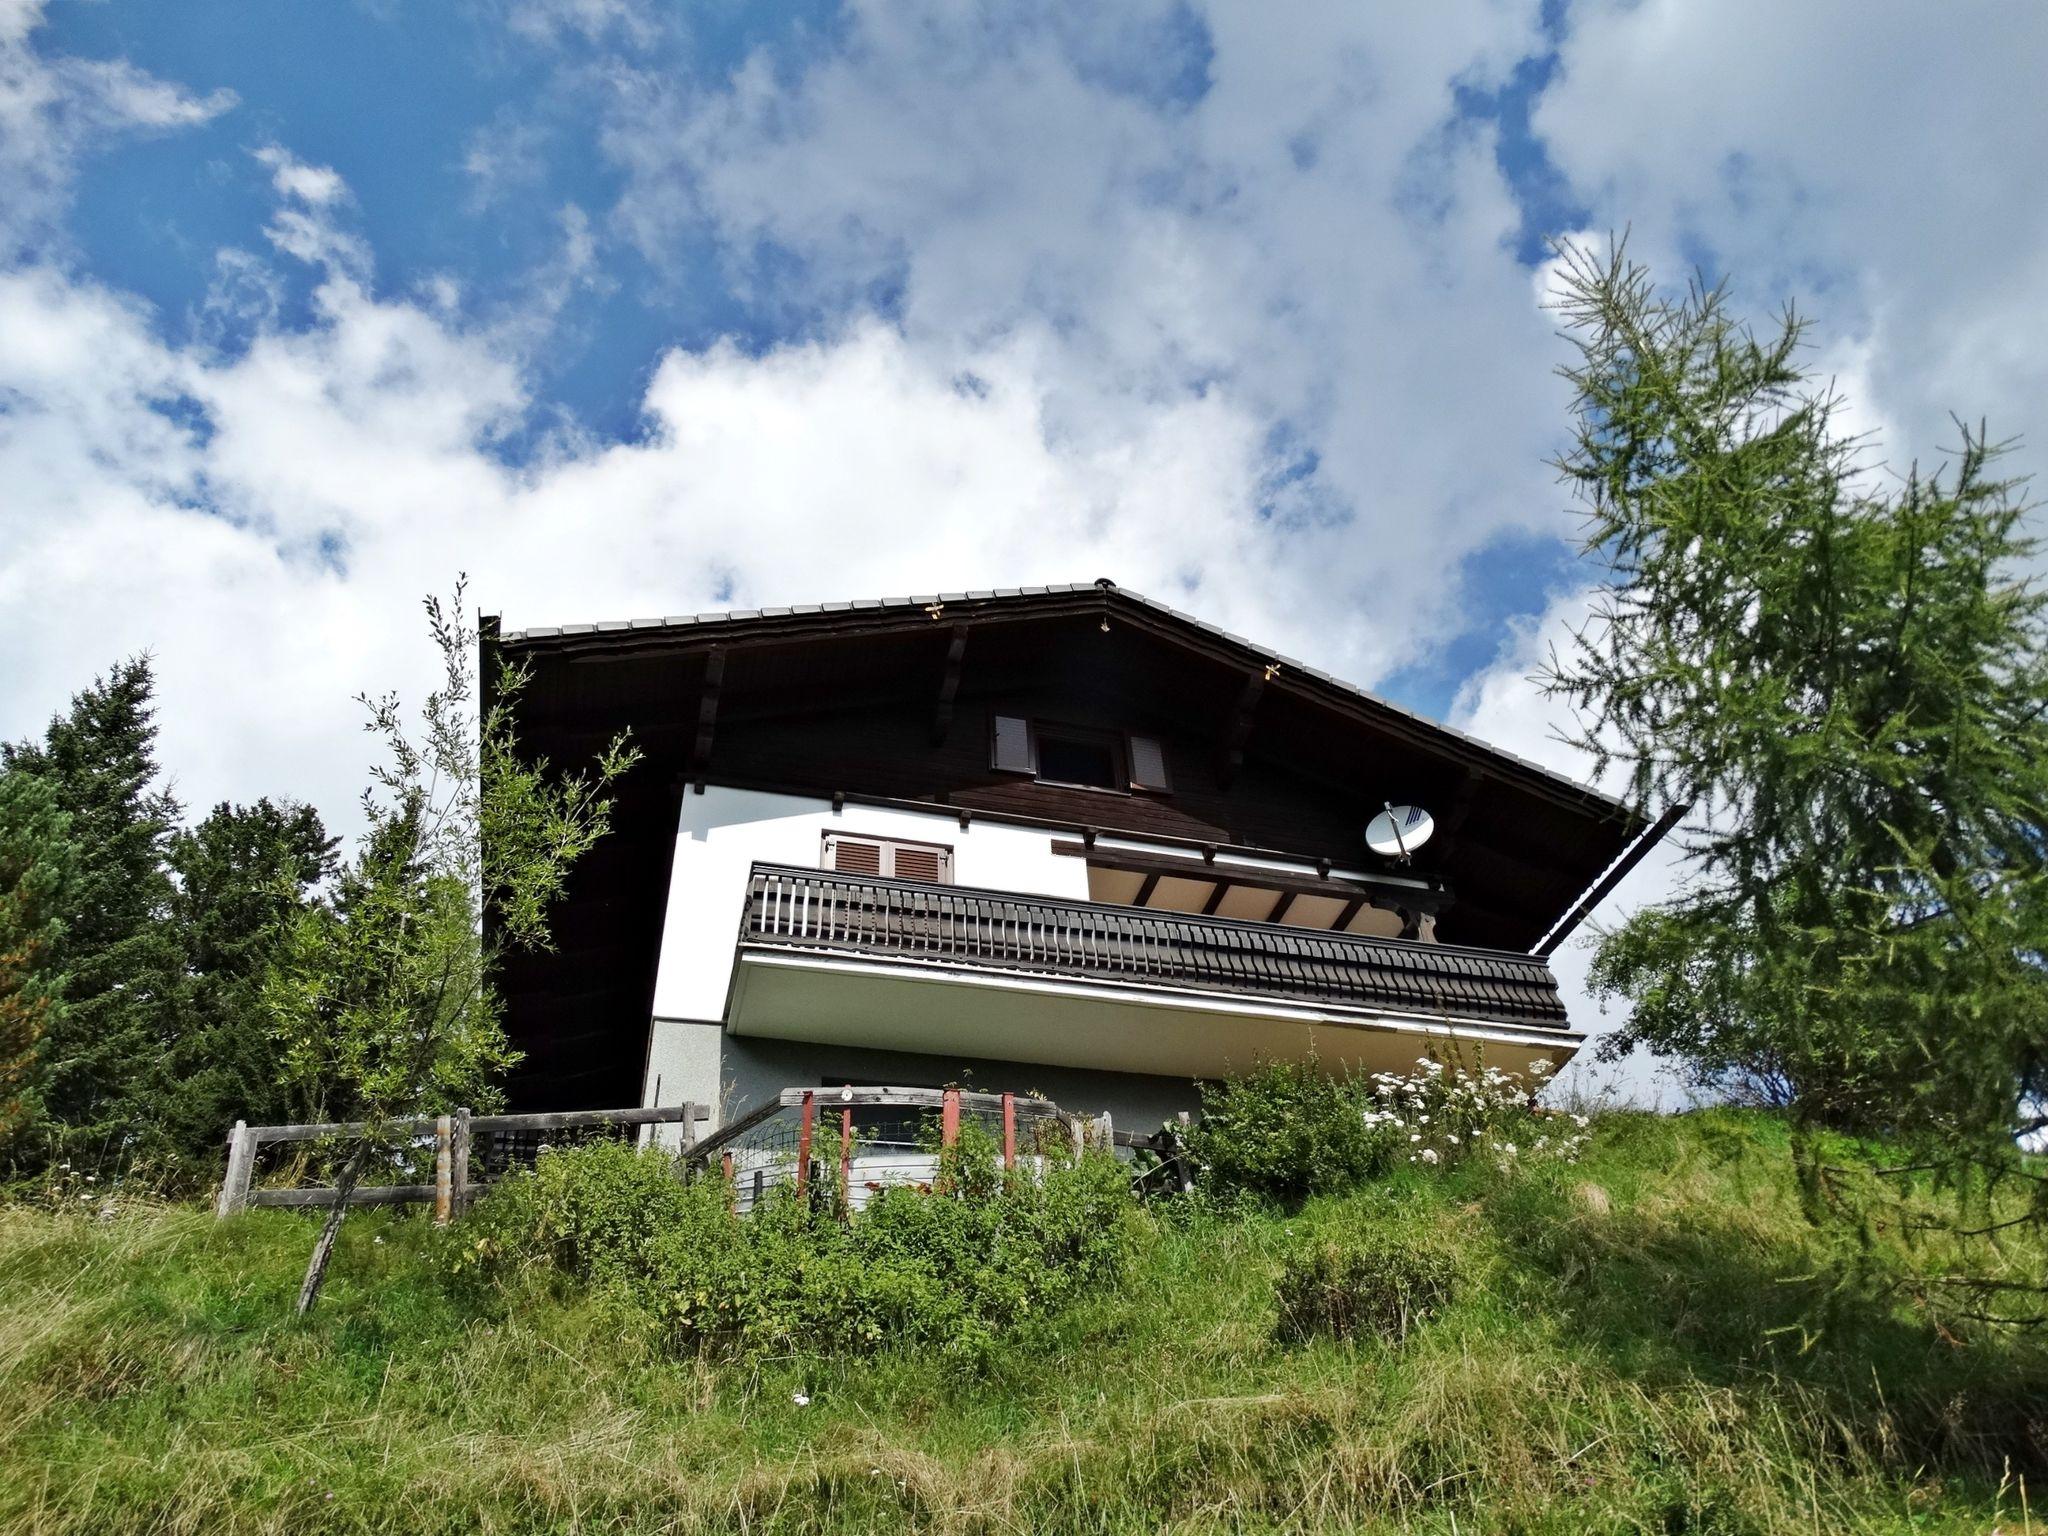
<point x="801" y="1399"/>
<point x="1415" y="1136"/>
<point x="1429" y="1154"/>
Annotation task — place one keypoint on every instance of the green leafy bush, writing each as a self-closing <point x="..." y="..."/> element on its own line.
<point x="1286" y="1131"/>
<point x="991" y="1253"/>
<point x="1380" y="1286"/>
<point x="588" y="1212"/>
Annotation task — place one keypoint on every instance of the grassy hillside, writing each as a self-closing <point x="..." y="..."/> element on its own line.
<point x="1626" y="1353"/>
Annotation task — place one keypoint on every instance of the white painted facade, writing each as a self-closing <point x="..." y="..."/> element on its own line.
<point x="722" y="833"/>
<point x="1090" y="1046"/>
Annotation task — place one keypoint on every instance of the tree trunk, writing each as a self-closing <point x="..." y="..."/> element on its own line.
<point x="323" y="1250"/>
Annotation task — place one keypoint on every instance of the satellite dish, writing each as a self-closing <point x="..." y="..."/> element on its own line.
<point x="1399" y="830"/>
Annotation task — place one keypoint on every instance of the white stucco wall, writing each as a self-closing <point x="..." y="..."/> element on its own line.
<point x="723" y="832"/>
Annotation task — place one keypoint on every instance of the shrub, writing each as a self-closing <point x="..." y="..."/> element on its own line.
<point x="1287" y="1131"/>
<point x="1382" y="1286"/>
<point x="993" y="1253"/>
<point x="588" y="1212"/>
<point x="1439" y="1116"/>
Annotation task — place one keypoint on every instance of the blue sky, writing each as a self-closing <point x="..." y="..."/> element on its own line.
<point x="633" y="308"/>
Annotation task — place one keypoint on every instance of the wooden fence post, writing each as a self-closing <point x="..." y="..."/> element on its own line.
<point x="803" y="1143"/>
<point x="461" y="1158"/>
<point x="732" y="1194"/>
<point x="1079" y="1127"/>
<point x="1009" y="1130"/>
<point x="234" y="1186"/>
<point x="1180" y="1152"/>
<point x="846" y="1162"/>
<point x="444" y="1169"/>
<point x="949" y="1117"/>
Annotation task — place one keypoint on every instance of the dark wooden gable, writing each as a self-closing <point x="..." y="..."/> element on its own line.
<point x="900" y="702"/>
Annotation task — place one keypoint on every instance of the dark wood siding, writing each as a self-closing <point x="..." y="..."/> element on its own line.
<point x="905" y="713"/>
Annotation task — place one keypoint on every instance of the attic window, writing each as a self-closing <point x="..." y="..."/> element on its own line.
<point x="890" y="858"/>
<point x="1078" y="756"/>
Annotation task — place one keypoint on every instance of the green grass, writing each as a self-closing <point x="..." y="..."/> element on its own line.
<point x="1632" y="1348"/>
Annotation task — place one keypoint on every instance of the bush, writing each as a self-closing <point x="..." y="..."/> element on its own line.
<point x="1287" y="1131"/>
<point x="1382" y="1286"/>
<point x="588" y="1212"/>
<point x="954" y="1271"/>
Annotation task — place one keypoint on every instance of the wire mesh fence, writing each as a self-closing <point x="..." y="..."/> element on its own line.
<point x="846" y="1145"/>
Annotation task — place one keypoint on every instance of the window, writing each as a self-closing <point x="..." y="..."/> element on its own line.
<point x="891" y="858"/>
<point x="1065" y="754"/>
<point x="1079" y="757"/>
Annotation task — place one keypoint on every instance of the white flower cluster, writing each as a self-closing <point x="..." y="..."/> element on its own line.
<point x="1440" y="1115"/>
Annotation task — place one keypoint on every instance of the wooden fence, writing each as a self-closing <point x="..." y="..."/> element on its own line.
<point x="809" y="1120"/>
<point x="455" y="1139"/>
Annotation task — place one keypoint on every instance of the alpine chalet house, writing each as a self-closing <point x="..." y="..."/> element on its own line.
<point x="1063" y="840"/>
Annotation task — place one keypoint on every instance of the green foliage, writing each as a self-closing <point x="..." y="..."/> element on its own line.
<point x="99" y="1068"/>
<point x="955" y="1271"/>
<point x="1623" y="1355"/>
<point x="245" y="875"/>
<point x="1379" y="1286"/>
<point x="1288" y="1130"/>
<point x="38" y="864"/>
<point x="1841" y="672"/>
<point x="586" y="1212"/>
<point x="382" y="996"/>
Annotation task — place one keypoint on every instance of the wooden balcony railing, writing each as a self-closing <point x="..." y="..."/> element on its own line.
<point x="791" y="907"/>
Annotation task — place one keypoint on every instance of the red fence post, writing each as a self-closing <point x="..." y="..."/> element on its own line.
<point x="949" y="1118"/>
<point x="1009" y="1130"/>
<point x="803" y="1144"/>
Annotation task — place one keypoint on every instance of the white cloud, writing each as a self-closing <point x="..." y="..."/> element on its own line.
<point x="1313" y="242"/>
<point x="1875" y="161"/>
<point x="53" y="109"/>
<point x="317" y="186"/>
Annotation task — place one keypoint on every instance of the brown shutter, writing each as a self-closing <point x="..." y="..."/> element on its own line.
<point x="913" y="862"/>
<point x="1148" y="764"/>
<point x="1012" y="747"/>
<point x="853" y="856"/>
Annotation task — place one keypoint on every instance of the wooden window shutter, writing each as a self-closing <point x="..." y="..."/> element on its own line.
<point x="931" y="863"/>
<point x="911" y="861"/>
<point x="1012" y="746"/>
<point x="853" y="855"/>
<point x="1148" y="764"/>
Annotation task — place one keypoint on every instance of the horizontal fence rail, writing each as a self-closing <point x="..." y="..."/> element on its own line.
<point x="840" y="1147"/>
<point x="836" y="1147"/>
<point x="792" y="907"/>
<point x="462" y="1142"/>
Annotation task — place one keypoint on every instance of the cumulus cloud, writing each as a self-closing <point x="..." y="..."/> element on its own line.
<point x="1873" y="161"/>
<point x="1278" y="210"/>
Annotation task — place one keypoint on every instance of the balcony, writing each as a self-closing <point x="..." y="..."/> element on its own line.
<point x="946" y="970"/>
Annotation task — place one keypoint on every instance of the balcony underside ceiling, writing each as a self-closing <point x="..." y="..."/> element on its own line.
<point x="957" y="1011"/>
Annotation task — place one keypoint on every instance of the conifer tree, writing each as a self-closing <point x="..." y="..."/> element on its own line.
<point x="37" y="868"/>
<point x="244" y="874"/>
<point x="99" y="1064"/>
<point x="1843" y="673"/>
